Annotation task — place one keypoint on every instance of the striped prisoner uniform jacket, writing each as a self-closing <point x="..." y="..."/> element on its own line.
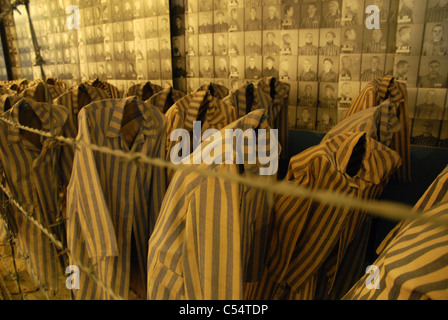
<point x="212" y="112"/>
<point x="375" y="93"/>
<point x="212" y="234"/>
<point x="306" y="232"/>
<point x="413" y="259"/>
<point x="74" y="100"/>
<point x="163" y="100"/>
<point x="379" y="123"/>
<point x="278" y="115"/>
<point x="143" y="90"/>
<point x="28" y="173"/>
<point x="112" y="205"/>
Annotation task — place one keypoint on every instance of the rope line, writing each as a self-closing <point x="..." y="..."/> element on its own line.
<point x="385" y="209"/>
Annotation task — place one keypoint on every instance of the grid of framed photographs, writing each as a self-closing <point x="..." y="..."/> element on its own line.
<point x="122" y="42"/>
<point x="422" y="63"/>
<point x="322" y="48"/>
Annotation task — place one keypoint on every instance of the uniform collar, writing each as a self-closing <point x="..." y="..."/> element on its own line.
<point x="148" y="127"/>
<point x="371" y="170"/>
<point x="388" y="87"/>
<point x="42" y="110"/>
<point x="93" y="92"/>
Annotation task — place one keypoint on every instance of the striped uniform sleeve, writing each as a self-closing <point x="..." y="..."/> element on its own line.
<point x="85" y="199"/>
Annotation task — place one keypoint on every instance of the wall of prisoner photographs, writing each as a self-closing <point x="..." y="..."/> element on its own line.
<point x="322" y="48"/>
<point x="122" y="42"/>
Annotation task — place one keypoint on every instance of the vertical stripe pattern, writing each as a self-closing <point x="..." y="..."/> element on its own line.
<point x="307" y="232"/>
<point x="211" y="235"/>
<point x="27" y="172"/>
<point x="110" y="202"/>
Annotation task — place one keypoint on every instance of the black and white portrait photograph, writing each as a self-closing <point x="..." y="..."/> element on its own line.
<point x="271" y="43"/>
<point x="433" y="72"/>
<point x="409" y="39"/>
<point x="326" y="119"/>
<point x="290" y="15"/>
<point x="310" y="14"/>
<point x="152" y="49"/>
<point x="191" y="45"/>
<point x="305" y="118"/>
<point x="289" y="42"/>
<point x="236" y="67"/>
<point x="385" y="12"/>
<point x="178" y="46"/>
<point x="352" y="39"/>
<point x="191" y="6"/>
<point x="164" y="48"/>
<point x="192" y="23"/>
<point x="253" y="67"/>
<point x="236" y="43"/>
<point x="178" y="25"/>
<point x="164" y="26"/>
<point x="330" y="42"/>
<point x="352" y="12"/>
<point x="221" y="44"/>
<point x="288" y="68"/>
<point x="328" y="69"/>
<point x="206" y="67"/>
<point x="206" y="47"/>
<point x="253" y="18"/>
<point x="270" y="66"/>
<point x="307" y="68"/>
<point x="372" y="66"/>
<point x="437" y="11"/>
<point x="430" y="104"/>
<point x="236" y="19"/>
<point x="406" y="69"/>
<point x="221" y="23"/>
<point x="349" y="68"/>
<point x="375" y="41"/>
<point x="151" y="27"/>
<point x="411" y="11"/>
<point x="331" y="13"/>
<point x="328" y="95"/>
<point x="253" y="43"/>
<point x="435" y="42"/>
<point x="192" y="67"/>
<point x="307" y="96"/>
<point x="271" y="17"/>
<point x="308" y="42"/>
<point x="153" y="69"/>
<point x="425" y="133"/>
<point x="222" y="67"/>
<point x="348" y="91"/>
